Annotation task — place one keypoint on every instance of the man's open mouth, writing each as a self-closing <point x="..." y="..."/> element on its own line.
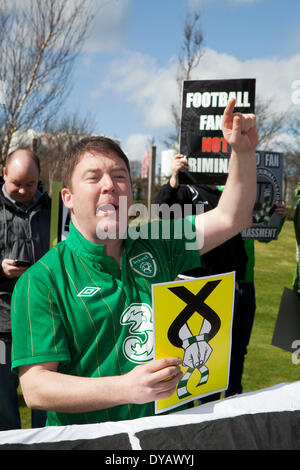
<point x="106" y="209"/>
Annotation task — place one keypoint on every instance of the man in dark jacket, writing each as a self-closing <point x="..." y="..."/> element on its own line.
<point x="24" y="238"/>
<point x="231" y="255"/>
<point x="228" y="257"/>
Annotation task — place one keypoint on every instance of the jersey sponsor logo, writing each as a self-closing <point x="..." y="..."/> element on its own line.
<point x="144" y="264"/>
<point x="138" y="345"/>
<point x="88" y="291"/>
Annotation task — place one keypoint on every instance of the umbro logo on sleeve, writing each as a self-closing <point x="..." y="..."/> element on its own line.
<point x="88" y="291"/>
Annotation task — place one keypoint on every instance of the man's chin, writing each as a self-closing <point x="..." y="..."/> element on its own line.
<point x="25" y="202"/>
<point x="110" y="231"/>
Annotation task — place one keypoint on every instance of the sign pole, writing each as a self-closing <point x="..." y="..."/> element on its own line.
<point x="151" y="177"/>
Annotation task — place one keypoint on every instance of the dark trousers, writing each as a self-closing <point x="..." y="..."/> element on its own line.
<point x="241" y="331"/>
<point x="9" y="407"/>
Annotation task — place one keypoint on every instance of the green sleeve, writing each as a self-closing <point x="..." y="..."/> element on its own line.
<point x="37" y="328"/>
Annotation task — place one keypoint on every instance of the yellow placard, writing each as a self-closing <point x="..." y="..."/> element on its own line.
<point x="59" y="228"/>
<point x="193" y="321"/>
<point x="55" y="213"/>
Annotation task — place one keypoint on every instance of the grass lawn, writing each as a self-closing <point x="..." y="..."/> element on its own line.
<point x="265" y="364"/>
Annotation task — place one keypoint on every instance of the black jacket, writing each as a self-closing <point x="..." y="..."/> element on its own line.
<point x="23" y="235"/>
<point x="231" y="255"/>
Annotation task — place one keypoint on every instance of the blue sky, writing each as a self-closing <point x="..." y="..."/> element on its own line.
<point x="125" y="77"/>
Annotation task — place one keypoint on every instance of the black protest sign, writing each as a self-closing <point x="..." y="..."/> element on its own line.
<point x="287" y="329"/>
<point x="266" y="223"/>
<point x="201" y="137"/>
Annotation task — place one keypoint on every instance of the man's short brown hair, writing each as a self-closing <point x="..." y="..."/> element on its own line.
<point x="99" y="144"/>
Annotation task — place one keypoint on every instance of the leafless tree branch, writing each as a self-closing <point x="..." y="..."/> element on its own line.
<point x="40" y="42"/>
<point x="188" y="59"/>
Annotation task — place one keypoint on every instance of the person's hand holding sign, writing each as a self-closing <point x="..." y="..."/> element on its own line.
<point x="179" y="164"/>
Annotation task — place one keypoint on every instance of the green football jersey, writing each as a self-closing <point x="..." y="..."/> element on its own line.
<point x="78" y="307"/>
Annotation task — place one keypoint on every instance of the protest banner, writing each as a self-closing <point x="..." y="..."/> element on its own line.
<point x="266" y="419"/>
<point x="266" y="223"/>
<point x="193" y="321"/>
<point x="201" y="137"/>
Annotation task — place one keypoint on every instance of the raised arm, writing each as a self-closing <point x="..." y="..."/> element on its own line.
<point x="234" y="210"/>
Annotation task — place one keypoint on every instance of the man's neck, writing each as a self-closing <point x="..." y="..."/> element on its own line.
<point x="114" y="248"/>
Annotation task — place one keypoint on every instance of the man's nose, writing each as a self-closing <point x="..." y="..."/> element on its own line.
<point x="107" y="183"/>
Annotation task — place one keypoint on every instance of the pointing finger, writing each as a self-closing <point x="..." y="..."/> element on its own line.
<point x="227" y="115"/>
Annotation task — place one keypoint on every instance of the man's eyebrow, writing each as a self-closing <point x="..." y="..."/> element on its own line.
<point x="20" y="181"/>
<point x="118" y="168"/>
<point x="99" y="170"/>
<point x="91" y="170"/>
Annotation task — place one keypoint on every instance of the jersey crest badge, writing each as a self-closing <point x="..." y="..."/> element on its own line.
<point x="144" y="264"/>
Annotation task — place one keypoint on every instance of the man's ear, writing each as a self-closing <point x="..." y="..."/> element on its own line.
<point x="4" y="173"/>
<point x="66" y="196"/>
